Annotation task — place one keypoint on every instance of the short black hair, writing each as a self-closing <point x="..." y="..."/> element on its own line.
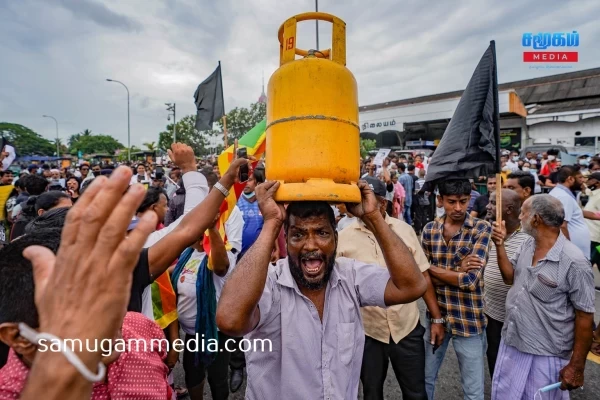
<point x="306" y="209"/>
<point x="401" y="167"/>
<point x="411" y="167"/>
<point x="47" y="200"/>
<point x="259" y="174"/>
<point x="524" y="178"/>
<point x="152" y="197"/>
<point x="567" y="171"/>
<point x="35" y="184"/>
<point x="210" y="176"/>
<point x="17" y="303"/>
<point x="20" y="183"/>
<point x="53" y="219"/>
<point x="455" y="187"/>
<point x="553" y="152"/>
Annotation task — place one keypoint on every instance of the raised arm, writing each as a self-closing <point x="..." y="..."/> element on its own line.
<point x="192" y="225"/>
<point x="506" y="268"/>
<point x="407" y="282"/>
<point x="237" y="311"/>
<point x="218" y="253"/>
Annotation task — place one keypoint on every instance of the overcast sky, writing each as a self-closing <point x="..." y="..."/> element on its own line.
<point x="55" y="55"/>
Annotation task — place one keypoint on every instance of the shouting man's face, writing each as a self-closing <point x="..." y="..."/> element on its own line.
<point x="312" y="245"/>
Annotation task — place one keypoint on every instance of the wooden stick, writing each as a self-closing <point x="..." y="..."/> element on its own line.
<point x="225" y="131"/>
<point x="499" y="199"/>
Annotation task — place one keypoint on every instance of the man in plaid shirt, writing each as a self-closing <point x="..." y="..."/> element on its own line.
<point x="453" y="244"/>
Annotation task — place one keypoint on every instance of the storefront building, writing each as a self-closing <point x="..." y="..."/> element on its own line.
<point x="561" y="109"/>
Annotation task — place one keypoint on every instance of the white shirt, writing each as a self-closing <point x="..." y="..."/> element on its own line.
<point x="186" y="289"/>
<point x="593" y="205"/>
<point x="579" y="233"/>
<point x="196" y="190"/>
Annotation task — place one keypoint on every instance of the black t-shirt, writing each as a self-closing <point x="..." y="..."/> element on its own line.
<point x="480" y="205"/>
<point x="141" y="279"/>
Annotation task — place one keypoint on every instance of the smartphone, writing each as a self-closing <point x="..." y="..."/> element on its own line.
<point x="244" y="171"/>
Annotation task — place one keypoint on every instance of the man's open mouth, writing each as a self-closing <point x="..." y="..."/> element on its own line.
<point x="312" y="265"/>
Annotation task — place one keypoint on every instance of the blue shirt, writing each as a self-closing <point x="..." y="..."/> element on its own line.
<point x="579" y="233"/>
<point x="253" y="222"/>
<point x="408" y="184"/>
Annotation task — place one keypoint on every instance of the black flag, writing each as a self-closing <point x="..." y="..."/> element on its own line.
<point x="210" y="104"/>
<point x="470" y="146"/>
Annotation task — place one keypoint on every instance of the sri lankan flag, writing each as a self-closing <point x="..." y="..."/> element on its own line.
<point x="254" y="142"/>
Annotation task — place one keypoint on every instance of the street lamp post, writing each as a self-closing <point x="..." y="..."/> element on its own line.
<point x="172" y="107"/>
<point x="128" y="125"/>
<point x="57" y="145"/>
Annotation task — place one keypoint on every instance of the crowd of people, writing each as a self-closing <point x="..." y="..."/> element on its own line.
<point x="141" y="252"/>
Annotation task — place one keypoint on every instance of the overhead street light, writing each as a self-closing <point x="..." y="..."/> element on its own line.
<point x="57" y="145"/>
<point x="128" y="124"/>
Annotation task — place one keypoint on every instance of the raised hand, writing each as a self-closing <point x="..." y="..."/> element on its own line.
<point x="269" y="208"/>
<point x="368" y="206"/>
<point x="498" y="233"/>
<point x="183" y="156"/>
<point x="83" y="291"/>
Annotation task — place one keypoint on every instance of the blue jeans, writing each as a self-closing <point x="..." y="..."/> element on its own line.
<point x="471" y="354"/>
<point x="406" y="215"/>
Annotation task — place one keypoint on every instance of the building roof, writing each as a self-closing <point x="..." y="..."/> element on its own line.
<point x="565" y="106"/>
<point x="552" y="88"/>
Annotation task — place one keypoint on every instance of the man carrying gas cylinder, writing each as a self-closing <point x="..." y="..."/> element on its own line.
<point x="307" y="306"/>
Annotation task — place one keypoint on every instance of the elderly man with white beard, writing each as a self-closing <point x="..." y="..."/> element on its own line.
<point x="547" y="332"/>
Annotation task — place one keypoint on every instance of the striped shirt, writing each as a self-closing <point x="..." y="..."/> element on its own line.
<point x="462" y="305"/>
<point x="313" y="359"/>
<point x="541" y="304"/>
<point x="495" y="290"/>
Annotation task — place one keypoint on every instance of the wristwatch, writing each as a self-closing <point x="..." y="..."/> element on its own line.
<point x="438" y="320"/>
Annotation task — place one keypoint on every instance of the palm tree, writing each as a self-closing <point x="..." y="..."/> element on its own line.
<point x="150" y="145"/>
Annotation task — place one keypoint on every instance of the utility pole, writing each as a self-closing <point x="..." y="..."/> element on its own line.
<point x="172" y="107"/>
<point x="57" y="145"/>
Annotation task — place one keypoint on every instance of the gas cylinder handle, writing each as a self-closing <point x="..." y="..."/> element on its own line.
<point x="287" y="38"/>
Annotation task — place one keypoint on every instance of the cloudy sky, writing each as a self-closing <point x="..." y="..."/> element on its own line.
<point x="57" y="54"/>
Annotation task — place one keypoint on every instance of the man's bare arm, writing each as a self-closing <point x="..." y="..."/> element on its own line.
<point x="237" y="311"/>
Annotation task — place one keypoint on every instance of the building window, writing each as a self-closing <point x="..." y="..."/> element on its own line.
<point x="585" y="142"/>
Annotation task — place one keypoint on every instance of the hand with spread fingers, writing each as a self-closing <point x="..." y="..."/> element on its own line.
<point x="83" y="291"/>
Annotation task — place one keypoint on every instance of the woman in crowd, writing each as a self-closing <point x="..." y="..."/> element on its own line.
<point x="73" y="186"/>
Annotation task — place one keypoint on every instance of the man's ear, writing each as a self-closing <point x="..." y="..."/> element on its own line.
<point x="9" y="334"/>
<point x="528" y="191"/>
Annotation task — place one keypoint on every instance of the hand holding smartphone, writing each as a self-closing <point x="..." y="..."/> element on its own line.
<point x="244" y="170"/>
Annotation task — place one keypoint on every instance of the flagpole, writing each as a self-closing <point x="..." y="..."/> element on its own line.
<point x="497" y="134"/>
<point x="225" y="131"/>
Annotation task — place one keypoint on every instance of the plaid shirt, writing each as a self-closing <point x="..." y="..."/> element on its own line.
<point x="461" y="305"/>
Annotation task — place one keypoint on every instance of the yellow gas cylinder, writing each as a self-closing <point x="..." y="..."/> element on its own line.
<point x="313" y="143"/>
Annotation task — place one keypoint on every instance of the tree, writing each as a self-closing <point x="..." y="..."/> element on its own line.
<point x="26" y="141"/>
<point x="151" y="146"/>
<point x="88" y="143"/>
<point x="63" y="149"/>
<point x="240" y="120"/>
<point x="122" y="156"/>
<point x="74" y="138"/>
<point x="186" y="133"/>
<point x="366" y="145"/>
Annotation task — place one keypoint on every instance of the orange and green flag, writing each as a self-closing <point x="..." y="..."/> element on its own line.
<point x="255" y="143"/>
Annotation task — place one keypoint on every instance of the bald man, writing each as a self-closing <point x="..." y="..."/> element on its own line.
<point x="495" y="290"/>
